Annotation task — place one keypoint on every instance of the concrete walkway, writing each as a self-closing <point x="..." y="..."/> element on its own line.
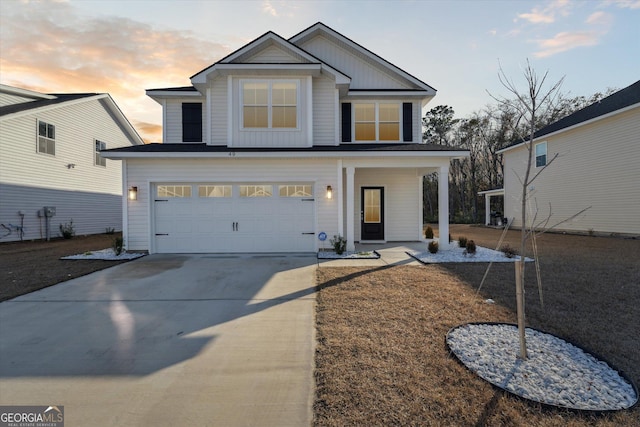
<point x="390" y="254"/>
<point x="168" y="340"/>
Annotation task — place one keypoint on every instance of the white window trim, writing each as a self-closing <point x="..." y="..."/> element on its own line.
<point x="270" y="83"/>
<point x="377" y="121"/>
<point x="38" y="136"/>
<point x="546" y="154"/>
<point x="96" y="153"/>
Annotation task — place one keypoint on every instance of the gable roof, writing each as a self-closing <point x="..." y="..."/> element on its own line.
<point x="52" y="100"/>
<point x="612" y="104"/>
<point x="320" y="28"/>
<point x="268" y="39"/>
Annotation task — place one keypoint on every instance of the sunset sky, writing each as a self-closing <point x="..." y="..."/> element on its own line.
<point x="124" y="47"/>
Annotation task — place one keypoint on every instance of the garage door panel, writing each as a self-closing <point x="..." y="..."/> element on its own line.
<point x="234" y="224"/>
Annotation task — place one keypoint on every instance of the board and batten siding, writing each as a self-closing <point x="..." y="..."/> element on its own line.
<point x="364" y="74"/>
<point x="145" y="173"/>
<point x="324" y="111"/>
<point x="597" y="168"/>
<point x="401" y="200"/>
<point x="23" y="169"/>
<point x="219" y="111"/>
<point x="173" y="114"/>
<point x="273" y="55"/>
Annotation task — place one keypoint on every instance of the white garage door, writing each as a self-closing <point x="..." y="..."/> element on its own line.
<point x="227" y="218"/>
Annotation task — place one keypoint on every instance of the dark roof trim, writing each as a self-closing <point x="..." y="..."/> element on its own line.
<point x="358" y="148"/>
<point x="617" y="101"/>
<point x="31" y="105"/>
<point x="175" y="89"/>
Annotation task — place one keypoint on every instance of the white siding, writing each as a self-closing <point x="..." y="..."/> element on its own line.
<point x="401" y="200"/>
<point x="78" y="192"/>
<point x="364" y="74"/>
<point x="324" y="111"/>
<point x="143" y="173"/>
<point x="597" y="167"/>
<point x="219" y="111"/>
<point x="10" y="99"/>
<point x="174" y="118"/>
<point x="273" y="54"/>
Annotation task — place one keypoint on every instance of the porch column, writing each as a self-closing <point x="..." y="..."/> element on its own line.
<point x="351" y="246"/>
<point x="487" y="209"/>
<point x="443" y="207"/>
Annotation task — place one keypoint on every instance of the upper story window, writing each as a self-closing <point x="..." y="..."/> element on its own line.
<point x="269" y="104"/>
<point x="98" y="159"/>
<point x="377" y="121"/>
<point x="541" y="154"/>
<point x="46" y="138"/>
<point x="191" y="122"/>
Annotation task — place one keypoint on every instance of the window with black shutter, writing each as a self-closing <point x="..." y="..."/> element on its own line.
<point x="407" y="121"/>
<point x="191" y="122"/>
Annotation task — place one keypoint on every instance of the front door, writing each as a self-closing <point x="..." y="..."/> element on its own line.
<point x="372" y="213"/>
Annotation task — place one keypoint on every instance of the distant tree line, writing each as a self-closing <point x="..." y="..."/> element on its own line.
<point x="483" y="133"/>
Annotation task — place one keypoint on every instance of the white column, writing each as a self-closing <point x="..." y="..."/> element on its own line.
<point x="443" y="207"/>
<point x="351" y="246"/>
<point x="487" y="209"/>
<point x="339" y="196"/>
<point x="420" y="207"/>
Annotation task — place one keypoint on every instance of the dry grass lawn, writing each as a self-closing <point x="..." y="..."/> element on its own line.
<point x="381" y="358"/>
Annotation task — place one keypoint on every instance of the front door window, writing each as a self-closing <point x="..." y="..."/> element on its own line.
<point x="372" y="213"/>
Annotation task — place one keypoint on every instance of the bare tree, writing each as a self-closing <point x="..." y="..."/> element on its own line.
<point x="529" y="105"/>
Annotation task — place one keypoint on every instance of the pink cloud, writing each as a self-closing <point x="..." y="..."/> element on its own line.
<point x="547" y="15"/>
<point x="48" y="47"/>
<point x="564" y="41"/>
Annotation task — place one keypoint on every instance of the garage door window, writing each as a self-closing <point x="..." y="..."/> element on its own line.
<point x="214" y="191"/>
<point x="256" y="191"/>
<point x="295" y="190"/>
<point x="174" y="191"/>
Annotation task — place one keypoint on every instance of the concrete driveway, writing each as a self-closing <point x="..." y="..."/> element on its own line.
<point x="177" y="340"/>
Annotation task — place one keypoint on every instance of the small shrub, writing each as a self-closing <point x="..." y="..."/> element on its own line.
<point x="428" y="233"/>
<point x="66" y="230"/>
<point x="470" y="248"/>
<point x="109" y="230"/>
<point x="462" y="242"/>
<point x="508" y="251"/>
<point x="118" y="245"/>
<point x="433" y="247"/>
<point x="339" y="244"/>
<point x="450" y="238"/>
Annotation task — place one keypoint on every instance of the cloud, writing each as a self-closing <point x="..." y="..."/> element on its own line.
<point x="49" y="48"/>
<point x="152" y="131"/>
<point x="624" y="4"/>
<point x="548" y="14"/>
<point x="280" y="8"/>
<point x="268" y="8"/>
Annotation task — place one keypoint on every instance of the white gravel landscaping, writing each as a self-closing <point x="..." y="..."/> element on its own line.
<point x="106" y="254"/>
<point x="349" y="255"/>
<point x="555" y="372"/>
<point x="457" y="254"/>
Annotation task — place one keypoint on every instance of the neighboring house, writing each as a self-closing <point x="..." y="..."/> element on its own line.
<point x="280" y="142"/>
<point x="50" y="156"/>
<point x="598" y="152"/>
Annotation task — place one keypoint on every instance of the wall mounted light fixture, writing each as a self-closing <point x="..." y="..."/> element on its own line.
<point x="329" y="192"/>
<point x="133" y="193"/>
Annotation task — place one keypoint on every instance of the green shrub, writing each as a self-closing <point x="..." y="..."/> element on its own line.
<point x="428" y="233"/>
<point x="508" y="251"/>
<point x="339" y="244"/>
<point x="118" y="245"/>
<point x="109" y="230"/>
<point x="462" y="242"/>
<point x="470" y="248"/>
<point x="433" y="247"/>
<point x="66" y="230"/>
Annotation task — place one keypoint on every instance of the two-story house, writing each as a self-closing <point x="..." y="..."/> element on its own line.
<point x="50" y="156"/>
<point x="280" y="143"/>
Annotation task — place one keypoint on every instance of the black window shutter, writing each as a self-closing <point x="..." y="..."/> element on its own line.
<point x="346" y="122"/>
<point x="191" y="122"/>
<point x="407" y="121"/>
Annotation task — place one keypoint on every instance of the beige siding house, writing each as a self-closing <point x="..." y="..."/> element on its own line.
<point x="598" y="152"/>
<point x="50" y="156"/>
<point x="281" y="143"/>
